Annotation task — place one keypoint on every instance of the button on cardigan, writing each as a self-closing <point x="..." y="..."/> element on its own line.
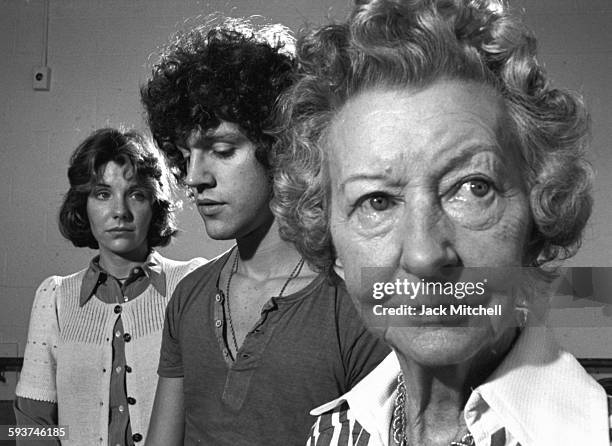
<point x="70" y="347"/>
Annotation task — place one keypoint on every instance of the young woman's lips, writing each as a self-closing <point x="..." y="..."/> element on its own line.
<point x="120" y="231"/>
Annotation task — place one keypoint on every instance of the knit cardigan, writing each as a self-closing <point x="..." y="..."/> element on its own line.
<point x="68" y="356"/>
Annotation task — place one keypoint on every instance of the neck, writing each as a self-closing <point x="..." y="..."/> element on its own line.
<point x="436" y="396"/>
<point x="264" y="254"/>
<point x="434" y="403"/>
<point x="120" y="266"/>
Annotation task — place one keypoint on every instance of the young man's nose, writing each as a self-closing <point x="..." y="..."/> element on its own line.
<point x="199" y="174"/>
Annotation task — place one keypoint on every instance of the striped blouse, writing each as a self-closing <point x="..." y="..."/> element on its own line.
<point x="538" y="396"/>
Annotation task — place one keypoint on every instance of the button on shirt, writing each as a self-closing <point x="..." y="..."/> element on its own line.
<point x="108" y="289"/>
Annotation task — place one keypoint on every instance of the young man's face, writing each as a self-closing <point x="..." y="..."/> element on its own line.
<point x="231" y="188"/>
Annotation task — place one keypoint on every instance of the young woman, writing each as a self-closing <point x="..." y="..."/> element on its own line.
<point x="93" y="344"/>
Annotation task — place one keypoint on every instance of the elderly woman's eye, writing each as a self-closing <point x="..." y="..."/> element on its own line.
<point x="374" y="203"/>
<point x="475" y="188"/>
<point x="379" y="203"/>
<point x="375" y="211"/>
<point x="479" y="188"/>
<point x="474" y="203"/>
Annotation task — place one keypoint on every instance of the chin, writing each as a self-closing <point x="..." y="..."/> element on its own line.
<point x="219" y="230"/>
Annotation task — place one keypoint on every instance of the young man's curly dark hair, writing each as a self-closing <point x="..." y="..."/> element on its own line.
<point x="230" y="72"/>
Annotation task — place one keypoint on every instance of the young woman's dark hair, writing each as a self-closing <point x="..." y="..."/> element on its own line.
<point x="143" y="162"/>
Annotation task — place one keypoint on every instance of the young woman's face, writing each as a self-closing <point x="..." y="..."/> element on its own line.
<point x="120" y="212"/>
<point x="231" y="188"/>
<point x="424" y="181"/>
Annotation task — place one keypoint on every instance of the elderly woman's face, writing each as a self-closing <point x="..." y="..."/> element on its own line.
<point x="423" y="180"/>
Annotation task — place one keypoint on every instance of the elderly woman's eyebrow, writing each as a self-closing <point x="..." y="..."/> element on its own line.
<point x="466" y="154"/>
<point x="387" y="177"/>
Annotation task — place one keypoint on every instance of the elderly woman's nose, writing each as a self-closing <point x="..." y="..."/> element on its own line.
<point x="426" y="243"/>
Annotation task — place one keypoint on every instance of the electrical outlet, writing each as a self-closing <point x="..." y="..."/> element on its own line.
<point x="41" y="78"/>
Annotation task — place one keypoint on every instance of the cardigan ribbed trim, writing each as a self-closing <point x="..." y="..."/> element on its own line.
<point x="68" y="357"/>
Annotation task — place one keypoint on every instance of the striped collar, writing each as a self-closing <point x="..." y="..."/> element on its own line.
<point x="538" y="396"/>
<point x="95" y="275"/>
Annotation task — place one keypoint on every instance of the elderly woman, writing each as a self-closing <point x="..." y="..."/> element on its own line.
<point x="424" y="141"/>
<point x="93" y="345"/>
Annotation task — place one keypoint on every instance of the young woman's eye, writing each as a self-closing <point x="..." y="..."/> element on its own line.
<point x="101" y="194"/>
<point x="139" y="195"/>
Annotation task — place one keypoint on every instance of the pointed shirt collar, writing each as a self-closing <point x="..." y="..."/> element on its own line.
<point x="96" y="275"/>
<point x="538" y="396"/>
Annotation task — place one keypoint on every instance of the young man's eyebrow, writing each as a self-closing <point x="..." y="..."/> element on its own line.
<point x="224" y="137"/>
<point x="223" y="133"/>
<point x="208" y="141"/>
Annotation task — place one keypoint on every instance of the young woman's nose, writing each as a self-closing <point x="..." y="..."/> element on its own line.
<point x="120" y="208"/>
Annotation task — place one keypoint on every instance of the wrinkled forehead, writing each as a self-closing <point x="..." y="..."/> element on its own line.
<point x="397" y="128"/>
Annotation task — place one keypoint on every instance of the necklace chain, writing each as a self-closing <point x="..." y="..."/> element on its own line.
<point x="227" y="290"/>
<point x="296" y="272"/>
<point x="398" y="425"/>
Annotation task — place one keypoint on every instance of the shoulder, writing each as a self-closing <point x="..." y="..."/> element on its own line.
<point x="200" y="281"/>
<point x="176" y="270"/>
<point x="345" y="308"/>
<point x="51" y="296"/>
<point x="180" y="265"/>
<point x="338" y="427"/>
<point x="324" y="286"/>
<point x="329" y="294"/>
<point x="46" y="296"/>
<point x="201" y="272"/>
<point x="54" y="287"/>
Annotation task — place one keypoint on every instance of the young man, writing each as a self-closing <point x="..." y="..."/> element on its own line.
<point x="254" y="339"/>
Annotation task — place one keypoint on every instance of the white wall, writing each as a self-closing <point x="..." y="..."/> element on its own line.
<point x="100" y="51"/>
